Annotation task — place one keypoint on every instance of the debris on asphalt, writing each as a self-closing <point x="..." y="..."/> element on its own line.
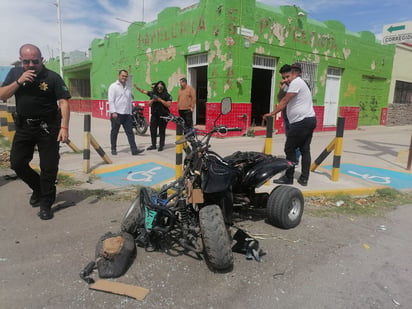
<point x="272" y="236"/>
<point x="340" y="203"/>
<point x="382" y="227"/>
<point x="245" y="244"/>
<point x="277" y="275"/>
<point x="134" y="291"/>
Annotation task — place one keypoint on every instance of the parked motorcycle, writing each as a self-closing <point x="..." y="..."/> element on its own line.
<point x="196" y="209"/>
<point x="140" y="124"/>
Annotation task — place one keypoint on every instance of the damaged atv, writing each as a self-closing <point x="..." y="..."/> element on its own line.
<point x="196" y="210"/>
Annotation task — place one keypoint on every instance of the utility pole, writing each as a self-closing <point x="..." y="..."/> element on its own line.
<point x="59" y="22"/>
<point x="142" y="10"/>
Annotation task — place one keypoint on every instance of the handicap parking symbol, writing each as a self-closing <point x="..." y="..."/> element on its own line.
<point x="145" y="174"/>
<point x="379" y="176"/>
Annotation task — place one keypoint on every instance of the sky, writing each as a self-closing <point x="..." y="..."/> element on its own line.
<point x="36" y="21"/>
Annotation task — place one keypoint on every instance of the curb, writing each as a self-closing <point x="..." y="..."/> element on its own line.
<point x="352" y="191"/>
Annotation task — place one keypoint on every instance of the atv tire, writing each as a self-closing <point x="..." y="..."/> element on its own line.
<point x="134" y="218"/>
<point x="216" y="239"/>
<point x="285" y="207"/>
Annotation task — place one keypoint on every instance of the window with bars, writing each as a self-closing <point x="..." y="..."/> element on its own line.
<point x="403" y="92"/>
<point x="197" y="60"/>
<point x="264" y="62"/>
<point x="334" y="71"/>
<point x="309" y="73"/>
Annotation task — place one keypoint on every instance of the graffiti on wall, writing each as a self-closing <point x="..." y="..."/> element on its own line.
<point x="369" y="109"/>
<point x="371" y="99"/>
<point x="172" y="31"/>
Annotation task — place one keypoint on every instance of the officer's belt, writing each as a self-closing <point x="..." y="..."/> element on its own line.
<point x="36" y="121"/>
<point x="32" y="121"/>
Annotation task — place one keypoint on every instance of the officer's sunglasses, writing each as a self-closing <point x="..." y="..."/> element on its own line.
<point x="34" y="61"/>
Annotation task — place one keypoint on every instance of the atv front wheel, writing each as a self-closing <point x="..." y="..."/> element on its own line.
<point x="285" y="207"/>
<point x="216" y="240"/>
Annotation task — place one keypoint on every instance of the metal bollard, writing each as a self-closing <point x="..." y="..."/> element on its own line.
<point x="269" y="133"/>
<point x="179" y="152"/>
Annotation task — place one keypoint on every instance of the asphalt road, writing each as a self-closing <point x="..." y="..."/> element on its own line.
<point x="334" y="262"/>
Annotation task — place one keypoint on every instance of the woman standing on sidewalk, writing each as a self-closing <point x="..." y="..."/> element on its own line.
<point x="160" y="103"/>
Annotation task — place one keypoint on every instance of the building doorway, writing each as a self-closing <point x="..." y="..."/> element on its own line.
<point x="197" y="78"/>
<point x="262" y="88"/>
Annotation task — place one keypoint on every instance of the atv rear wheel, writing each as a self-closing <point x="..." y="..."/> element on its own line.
<point x="134" y="218"/>
<point x="285" y="207"/>
<point x="216" y="239"/>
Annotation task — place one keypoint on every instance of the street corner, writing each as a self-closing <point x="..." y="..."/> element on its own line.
<point x="144" y="173"/>
<point x="399" y="180"/>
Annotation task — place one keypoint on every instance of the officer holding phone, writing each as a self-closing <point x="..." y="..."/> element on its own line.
<point x="42" y="120"/>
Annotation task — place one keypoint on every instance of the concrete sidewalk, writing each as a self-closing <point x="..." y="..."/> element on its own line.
<point x="376" y="147"/>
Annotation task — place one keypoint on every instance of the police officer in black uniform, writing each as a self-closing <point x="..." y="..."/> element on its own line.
<point x="40" y="122"/>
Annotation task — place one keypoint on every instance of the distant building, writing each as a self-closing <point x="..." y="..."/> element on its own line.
<point x="75" y="57"/>
<point x="399" y="110"/>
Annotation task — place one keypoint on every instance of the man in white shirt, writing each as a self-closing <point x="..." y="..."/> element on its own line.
<point x="120" y="107"/>
<point x="301" y="115"/>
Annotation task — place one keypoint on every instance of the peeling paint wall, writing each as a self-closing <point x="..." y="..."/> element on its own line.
<point x="157" y="50"/>
<point x="328" y="44"/>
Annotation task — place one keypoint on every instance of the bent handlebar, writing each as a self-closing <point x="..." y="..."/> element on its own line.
<point x="190" y="132"/>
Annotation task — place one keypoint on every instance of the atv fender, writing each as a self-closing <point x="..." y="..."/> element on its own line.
<point x="265" y="170"/>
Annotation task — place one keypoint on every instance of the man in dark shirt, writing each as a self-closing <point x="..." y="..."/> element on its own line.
<point x="40" y="122"/>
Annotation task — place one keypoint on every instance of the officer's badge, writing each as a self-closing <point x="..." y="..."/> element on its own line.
<point x="43" y="86"/>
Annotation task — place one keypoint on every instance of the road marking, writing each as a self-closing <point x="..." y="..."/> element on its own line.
<point x="376" y="179"/>
<point x="145" y="174"/>
<point x="395" y="179"/>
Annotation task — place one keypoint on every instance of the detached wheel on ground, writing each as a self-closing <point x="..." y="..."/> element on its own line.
<point x="134" y="218"/>
<point x="216" y="239"/>
<point x="285" y="207"/>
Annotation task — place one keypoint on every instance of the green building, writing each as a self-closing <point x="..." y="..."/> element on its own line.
<point x="235" y="48"/>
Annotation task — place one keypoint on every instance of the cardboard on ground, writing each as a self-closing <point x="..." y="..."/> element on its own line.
<point x="136" y="292"/>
